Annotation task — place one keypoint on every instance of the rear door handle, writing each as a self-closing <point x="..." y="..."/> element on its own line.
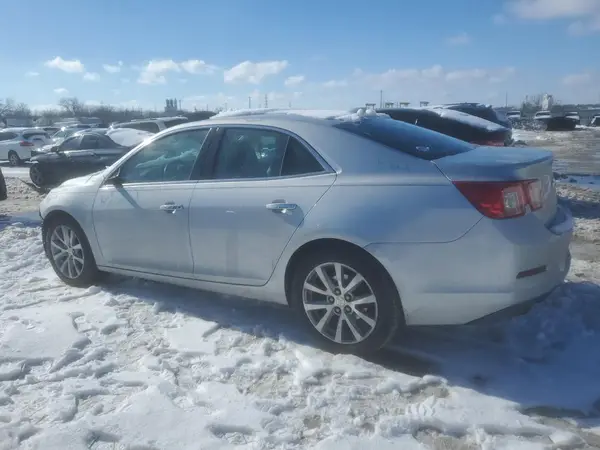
<point x="170" y="207"/>
<point x="282" y="208"/>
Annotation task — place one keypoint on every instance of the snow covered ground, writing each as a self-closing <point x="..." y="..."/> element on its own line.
<point x="138" y="365"/>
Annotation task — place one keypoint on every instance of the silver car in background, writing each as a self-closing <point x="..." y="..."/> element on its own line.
<point x="360" y="223"/>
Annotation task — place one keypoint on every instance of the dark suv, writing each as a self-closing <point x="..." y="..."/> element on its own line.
<point x="470" y="129"/>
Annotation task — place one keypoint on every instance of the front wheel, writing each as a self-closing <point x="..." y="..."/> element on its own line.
<point x="37" y="175"/>
<point x="69" y="253"/>
<point x="348" y="300"/>
<point x="13" y="159"/>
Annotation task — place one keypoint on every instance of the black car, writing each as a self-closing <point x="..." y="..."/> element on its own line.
<point x="451" y="123"/>
<point x="3" y="189"/>
<point x="78" y="155"/>
<point x="478" y="110"/>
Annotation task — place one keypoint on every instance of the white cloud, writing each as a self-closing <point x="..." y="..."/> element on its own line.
<point x="91" y="76"/>
<point x="154" y="72"/>
<point x="577" y="79"/>
<point x="460" y="39"/>
<point x="335" y="83"/>
<point x="70" y="66"/>
<point x="61" y="91"/>
<point x="294" y="80"/>
<point x="113" y="68"/>
<point x="394" y="78"/>
<point x="198" y="66"/>
<point x="584" y="13"/>
<point x="32" y="74"/>
<point x="254" y="73"/>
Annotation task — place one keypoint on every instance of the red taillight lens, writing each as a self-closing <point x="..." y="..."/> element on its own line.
<point x="491" y="143"/>
<point x="502" y="200"/>
<point x="26" y="144"/>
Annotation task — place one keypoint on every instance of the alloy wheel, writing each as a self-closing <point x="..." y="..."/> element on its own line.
<point x="340" y="303"/>
<point x="13" y="159"/>
<point x="36" y="176"/>
<point x="67" y="251"/>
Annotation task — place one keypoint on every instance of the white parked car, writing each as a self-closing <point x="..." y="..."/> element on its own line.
<point x="16" y="144"/>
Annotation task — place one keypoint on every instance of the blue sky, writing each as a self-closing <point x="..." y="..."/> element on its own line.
<point x="308" y="53"/>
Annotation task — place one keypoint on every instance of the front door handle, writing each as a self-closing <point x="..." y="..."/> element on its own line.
<point x="282" y="208"/>
<point x="170" y="207"/>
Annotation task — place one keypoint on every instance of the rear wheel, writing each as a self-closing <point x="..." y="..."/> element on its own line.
<point x="69" y="252"/>
<point x="349" y="301"/>
<point x="13" y="159"/>
<point x="37" y="175"/>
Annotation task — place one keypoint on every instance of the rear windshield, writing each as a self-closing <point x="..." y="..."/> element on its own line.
<point x="416" y="141"/>
<point x="36" y="135"/>
<point x="483" y="113"/>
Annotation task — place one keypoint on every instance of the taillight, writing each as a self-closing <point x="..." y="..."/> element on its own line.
<point x="491" y="143"/>
<point x="502" y="200"/>
<point x="26" y="144"/>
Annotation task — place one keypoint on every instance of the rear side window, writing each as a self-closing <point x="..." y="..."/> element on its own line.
<point x="413" y="140"/>
<point x="36" y="135"/>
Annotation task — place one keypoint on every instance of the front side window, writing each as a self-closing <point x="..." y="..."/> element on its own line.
<point x="171" y="158"/>
<point x="262" y="153"/>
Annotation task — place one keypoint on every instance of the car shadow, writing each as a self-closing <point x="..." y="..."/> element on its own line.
<point x="30" y="219"/>
<point x="583" y="209"/>
<point x="548" y="384"/>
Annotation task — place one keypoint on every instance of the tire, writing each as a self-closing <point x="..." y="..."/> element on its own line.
<point x="385" y="313"/>
<point x="13" y="159"/>
<point x="83" y="274"/>
<point x="37" y="176"/>
<point x="3" y="188"/>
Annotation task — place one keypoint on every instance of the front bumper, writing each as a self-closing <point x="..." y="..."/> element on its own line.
<point x="481" y="273"/>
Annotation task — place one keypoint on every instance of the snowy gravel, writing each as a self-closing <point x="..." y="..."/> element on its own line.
<point x="21" y="197"/>
<point x="138" y="365"/>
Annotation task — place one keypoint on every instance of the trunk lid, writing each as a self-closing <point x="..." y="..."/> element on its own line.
<point x="505" y="164"/>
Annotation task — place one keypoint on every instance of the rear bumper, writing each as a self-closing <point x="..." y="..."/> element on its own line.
<point x="495" y="266"/>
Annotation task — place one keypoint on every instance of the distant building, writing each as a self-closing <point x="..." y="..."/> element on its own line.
<point x="171" y="106"/>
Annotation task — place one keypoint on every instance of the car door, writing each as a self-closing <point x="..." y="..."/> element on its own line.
<point x="263" y="184"/>
<point x="141" y="217"/>
<point x="5" y="137"/>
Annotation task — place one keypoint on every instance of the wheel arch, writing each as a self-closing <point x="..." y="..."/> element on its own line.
<point x="324" y="244"/>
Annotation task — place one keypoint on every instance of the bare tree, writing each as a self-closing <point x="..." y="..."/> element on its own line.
<point x="6" y="106"/>
<point x="21" y="111"/>
<point x="71" y="105"/>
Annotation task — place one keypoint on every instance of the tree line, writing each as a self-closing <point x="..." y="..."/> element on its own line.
<point x="72" y="107"/>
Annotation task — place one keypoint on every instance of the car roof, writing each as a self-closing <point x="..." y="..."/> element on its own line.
<point x="22" y="130"/>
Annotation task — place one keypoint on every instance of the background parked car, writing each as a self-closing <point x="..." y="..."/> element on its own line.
<point x="453" y="123"/>
<point x="16" y="144"/>
<point x="478" y="110"/>
<point x="153" y="125"/>
<point x="78" y="155"/>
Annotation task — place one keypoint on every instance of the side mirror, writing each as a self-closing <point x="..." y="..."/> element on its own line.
<point x="115" y="179"/>
<point x="54" y="148"/>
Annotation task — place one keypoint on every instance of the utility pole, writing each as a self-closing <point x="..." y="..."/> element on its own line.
<point x="381" y="98"/>
<point x="266" y="101"/>
<point x="249" y="102"/>
<point x="506" y="100"/>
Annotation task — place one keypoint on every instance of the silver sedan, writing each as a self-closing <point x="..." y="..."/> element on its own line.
<point x="360" y="223"/>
